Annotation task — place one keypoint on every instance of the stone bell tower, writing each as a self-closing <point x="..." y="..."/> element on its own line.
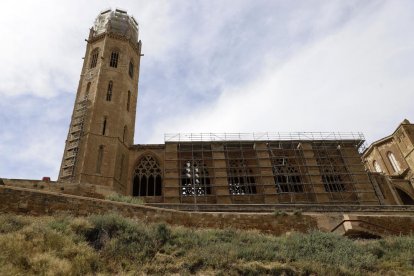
<point x="103" y="118"/>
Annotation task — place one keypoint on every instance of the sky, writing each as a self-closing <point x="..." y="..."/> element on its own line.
<point x="210" y="66"/>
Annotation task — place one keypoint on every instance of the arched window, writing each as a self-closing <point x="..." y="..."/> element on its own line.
<point x="94" y="58"/>
<point x="104" y="126"/>
<point x="124" y="134"/>
<point x="109" y="91"/>
<point x="376" y="166"/>
<point x="240" y="177"/>
<point x="99" y="159"/>
<point x="114" y="59"/>
<point x="88" y="87"/>
<point x="131" y="69"/>
<point x="128" y="100"/>
<point x="147" y="177"/>
<point x="333" y="171"/>
<point x="195" y="179"/>
<point x="286" y="175"/>
<point x="393" y="161"/>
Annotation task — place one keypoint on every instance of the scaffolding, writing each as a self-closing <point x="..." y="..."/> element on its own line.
<point x="257" y="168"/>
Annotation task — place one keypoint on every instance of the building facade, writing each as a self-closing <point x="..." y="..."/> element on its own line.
<point x="324" y="168"/>
<point x="391" y="161"/>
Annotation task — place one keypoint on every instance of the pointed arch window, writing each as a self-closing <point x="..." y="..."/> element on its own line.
<point x="195" y="179"/>
<point x="114" y="59"/>
<point x="393" y="161"/>
<point x="147" y="177"/>
<point x="88" y="87"/>
<point x="94" y="58"/>
<point x="109" y="91"/>
<point x="131" y="69"/>
<point x="376" y="166"/>
<point x="240" y="177"/>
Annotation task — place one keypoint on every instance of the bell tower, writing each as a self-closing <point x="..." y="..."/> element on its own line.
<point x="103" y="118"/>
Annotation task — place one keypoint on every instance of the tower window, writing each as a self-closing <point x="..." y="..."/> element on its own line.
<point x="128" y="100"/>
<point x="124" y="135"/>
<point x="104" y="126"/>
<point x="114" y="59"/>
<point x="99" y="160"/>
<point x="88" y="87"/>
<point x="94" y="58"/>
<point x="131" y="69"/>
<point x="109" y="92"/>
<point x="393" y="161"/>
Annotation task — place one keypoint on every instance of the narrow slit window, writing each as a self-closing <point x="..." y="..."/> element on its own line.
<point x="124" y="135"/>
<point x="104" y="127"/>
<point x="109" y="92"/>
<point x="99" y="160"/>
<point x="88" y="87"/>
<point x="131" y="69"/>
<point x="114" y="59"/>
<point x="128" y="100"/>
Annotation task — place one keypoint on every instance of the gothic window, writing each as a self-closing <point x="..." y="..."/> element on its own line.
<point x="147" y="177"/>
<point x="99" y="160"/>
<point x="109" y="91"/>
<point x="195" y="179"/>
<point x="104" y="126"/>
<point x="240" y="178"/>
<point x="114" y="59"/>
<point x="393" y="161"/>
<point x="128" y="100"/>
<point x="376" y="166"/>
<point x="333" y="173"/>
<point x="131" y="69"/>
<point x="286" y="175"/>
<point x="94" y="58"/>
<point x="124" y="134"/>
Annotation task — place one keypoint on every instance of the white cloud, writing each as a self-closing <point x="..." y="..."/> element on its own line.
<point x="354" y="79"/>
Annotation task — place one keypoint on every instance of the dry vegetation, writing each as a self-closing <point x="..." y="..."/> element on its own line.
<point x="110" y="244"/>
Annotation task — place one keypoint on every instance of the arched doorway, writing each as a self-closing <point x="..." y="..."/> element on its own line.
<point x="147" y="177"/>
<point x="405" y="198"/>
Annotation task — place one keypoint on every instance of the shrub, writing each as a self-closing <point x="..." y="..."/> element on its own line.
<point x="126" y="199"/>
<point x="11" y="223"/>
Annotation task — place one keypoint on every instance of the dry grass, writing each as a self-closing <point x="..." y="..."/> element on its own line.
<point x="111" y="244"/>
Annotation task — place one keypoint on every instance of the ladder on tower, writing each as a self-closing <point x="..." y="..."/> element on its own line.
<point x="74" y="139"/>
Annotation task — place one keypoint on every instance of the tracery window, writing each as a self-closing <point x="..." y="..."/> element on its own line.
<point x="240" y="178"/>
<point x="94" y="58"/>
<point x="109" y="91"/>
<point x="286" y="175"/>
<point x="393" y="161"/>
<point x="147" y="177"/>
<point x="334" y="173"/>
<point x="195" y="179"/>
<point x="114" y="59"/>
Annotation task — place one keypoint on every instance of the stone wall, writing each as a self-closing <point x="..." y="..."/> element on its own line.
<point x="33" y="202"/>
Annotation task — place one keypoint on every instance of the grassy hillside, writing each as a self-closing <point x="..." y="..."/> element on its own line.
<point x="64" y="245"/>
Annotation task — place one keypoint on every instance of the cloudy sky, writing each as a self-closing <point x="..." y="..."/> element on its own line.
<point x="210" y="66"/>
